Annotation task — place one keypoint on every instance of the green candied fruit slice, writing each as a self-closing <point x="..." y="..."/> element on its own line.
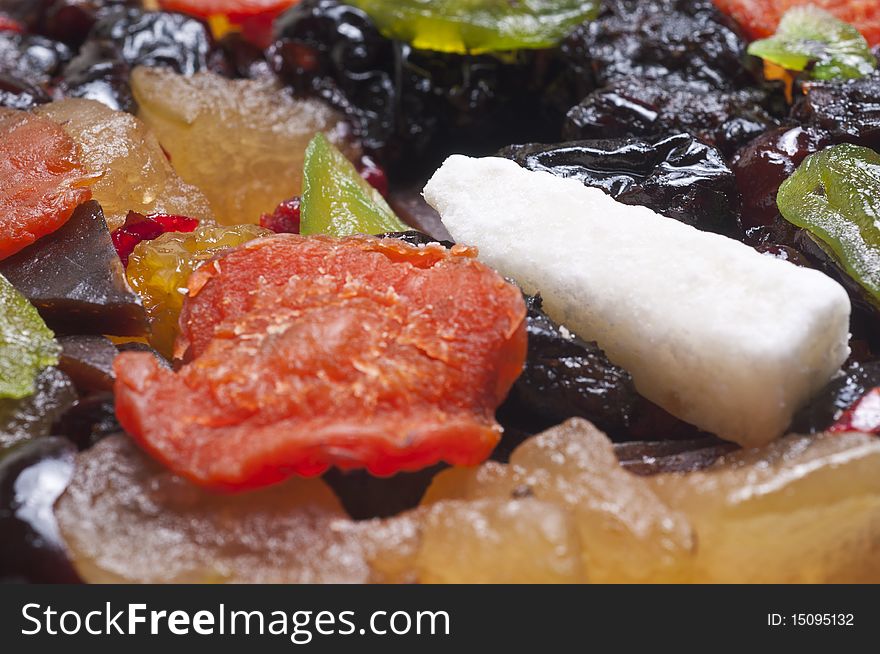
<point x="336" y="200"/>
<point x="475" y="26"/>
<point x="808" y="35"/>
<point x="26" y="344"/>
<point x="835" y="195"/>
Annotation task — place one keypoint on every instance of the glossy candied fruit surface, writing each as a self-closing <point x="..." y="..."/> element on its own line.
<point x="803" y="509"/>
<point x="158" y="270"/>
<point x="131" y="171"/>
<point x="305" y="352"/>
<point x="241" y="142"/>
<point x="43" y="179"/>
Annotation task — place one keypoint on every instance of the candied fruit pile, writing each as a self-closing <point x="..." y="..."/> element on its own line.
<point x="159" y="269"/>
<point x="241" y="142"/>
<point x="130" y="170"/>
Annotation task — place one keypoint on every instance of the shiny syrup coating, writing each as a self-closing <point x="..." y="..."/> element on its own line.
<point x="766" y="162"/>
<point x="727" y="119"/>
<point x="676" y="175"/>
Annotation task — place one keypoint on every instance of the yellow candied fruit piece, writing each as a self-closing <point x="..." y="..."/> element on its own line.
<point x="159" y="269"/>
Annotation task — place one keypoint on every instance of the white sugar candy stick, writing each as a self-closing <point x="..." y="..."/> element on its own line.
<point x="725" y="338"/>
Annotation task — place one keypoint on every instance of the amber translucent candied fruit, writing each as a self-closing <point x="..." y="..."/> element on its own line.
<point x="242" y="142"/>
<point x="131" y="172"/>
<point x="159" y="269"/>
<point x="804" y="509"/>
<point x="626" y="532"/>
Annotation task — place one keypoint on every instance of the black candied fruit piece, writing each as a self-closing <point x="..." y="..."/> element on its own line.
<point x="157" y="38"/>
<point x="90" y="419"/>
<point x="762" y="165"/>
<point x="88" y="361"/>
<point x="75" y="278"/>
<point x="726" y="119"/>
<point x="677" y="176"/>
<point x="567" y="377"/>
<point x="99" y="73"/>
<point x="32" y="59"/>
<point x="829" y="404"/>
<point x="32" y="416"/>
<point x="655" y="39"/>
<point x="32" y="476"/>
<point x="849" y="110"/>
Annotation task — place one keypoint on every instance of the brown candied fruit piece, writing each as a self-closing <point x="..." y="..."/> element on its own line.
<point x="306" y="352"/>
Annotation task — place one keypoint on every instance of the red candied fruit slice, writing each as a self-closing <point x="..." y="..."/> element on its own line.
<point x="253" y="16"/>
<point x="139" y="228"/>
<point x="863" y="416"/>
<point x="304" y="352"/>
<point x="285" y="219"/>
<point x="39" y="171"/>
<point x="760" y="18"/>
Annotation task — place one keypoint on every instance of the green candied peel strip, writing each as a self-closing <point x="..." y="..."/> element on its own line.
<point x="810" y="35"/>
<point x="835" y="195"/>
<point x="26" y="344"/>
<point x="336" y="200"/>
<point x="475" y="26"/>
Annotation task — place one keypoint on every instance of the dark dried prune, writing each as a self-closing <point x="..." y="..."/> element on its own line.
<point x="677" y="175"/>
<point x="403" y="100"/>
<point x="365" y="496"/>
<point x="849" y="109"/>
<point x="89" y="420"/>
<point x="75" y="278"/>
<point x="567" y="377"/>
<point x="17" y="94"/>
<point x="780" y="232"/>
<point x="32" y="59"/>
<point x="99" y="73"/>
<point x="156" y="38"/>
<point x="829" y="404"/>
<point x="762" y="165"/>
<point x="32" y="416"/>
<point x="655" y="39"/>
<point x="88" y="361"/>
<point x="634" y="107"/>
<point x="238" y="58"/>
<point x="71" y="20"/>
<point x="32" y="476"/>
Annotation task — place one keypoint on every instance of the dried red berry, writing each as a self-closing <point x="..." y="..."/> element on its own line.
<point x="139" y="227"/>
<point x="285" y="218"/>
